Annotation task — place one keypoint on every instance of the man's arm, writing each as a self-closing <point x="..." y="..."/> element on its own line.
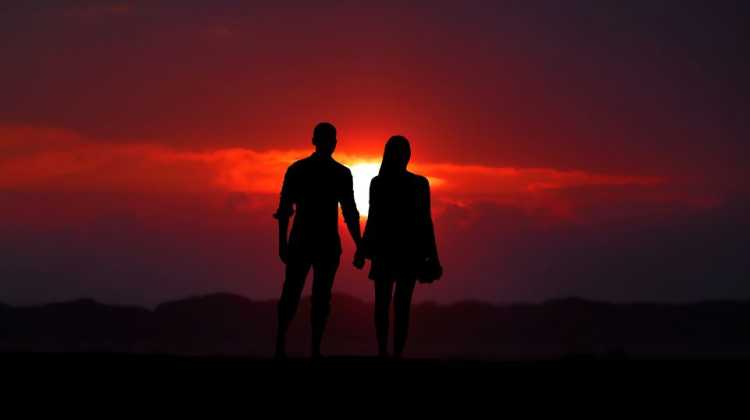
<point x="283" y="243"/>
<point x="283" y="214"/>
<point x="349" y="209"/>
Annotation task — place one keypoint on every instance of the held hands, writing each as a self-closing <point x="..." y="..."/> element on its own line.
<point x="283" y="251"/>
<point x="359" y="260"/>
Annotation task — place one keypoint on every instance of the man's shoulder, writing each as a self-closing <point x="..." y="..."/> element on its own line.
<point x="341" y="168"/>
<point x="299" y="164"/>
<point x="312" y="165"/>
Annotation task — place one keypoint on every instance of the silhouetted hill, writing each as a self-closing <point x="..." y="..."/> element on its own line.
<point x="226" y="324"/>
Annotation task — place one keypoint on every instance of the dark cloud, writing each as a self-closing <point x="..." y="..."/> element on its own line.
<point x="133" y="247"/>
<point x="650" y="252"/>
<point x="656" y="87"/>
<point x="141" y="248"/>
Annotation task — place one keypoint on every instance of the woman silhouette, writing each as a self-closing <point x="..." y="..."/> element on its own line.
<point x="399" y="239"/>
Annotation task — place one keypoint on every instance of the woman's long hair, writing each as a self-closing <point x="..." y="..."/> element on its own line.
<point x="396" y="156"/>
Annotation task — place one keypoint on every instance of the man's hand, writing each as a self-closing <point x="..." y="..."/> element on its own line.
<point x="359" y="260"/>
<point x="283" y="251"/>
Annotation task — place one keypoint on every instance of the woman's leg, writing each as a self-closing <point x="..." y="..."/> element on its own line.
<point x="402" y="308"/>
<point x="383" y="292"/>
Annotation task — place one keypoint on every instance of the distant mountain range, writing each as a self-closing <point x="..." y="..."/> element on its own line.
<point x="225" y="324"/>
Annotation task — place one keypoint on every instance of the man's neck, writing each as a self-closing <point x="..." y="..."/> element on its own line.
<point x="321" y="155"/>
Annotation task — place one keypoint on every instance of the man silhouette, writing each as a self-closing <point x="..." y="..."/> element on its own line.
<point x="312" y="190"/>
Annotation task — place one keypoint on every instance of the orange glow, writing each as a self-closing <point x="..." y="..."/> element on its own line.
<point x="55" y="160"/>
<point x="362" y="173"/>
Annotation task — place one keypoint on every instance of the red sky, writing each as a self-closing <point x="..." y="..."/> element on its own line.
<point x="595" y="150"/>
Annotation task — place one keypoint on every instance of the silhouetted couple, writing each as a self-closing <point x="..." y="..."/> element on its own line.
<point x="399" y="238"/>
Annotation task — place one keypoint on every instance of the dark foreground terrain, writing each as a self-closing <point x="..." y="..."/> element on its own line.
<point x="239" y="331"/>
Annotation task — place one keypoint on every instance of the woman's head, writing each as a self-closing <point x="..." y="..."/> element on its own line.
<point x="396" y="155"/>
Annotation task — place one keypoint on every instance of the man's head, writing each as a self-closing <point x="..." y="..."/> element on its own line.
<point x="324" y="138"/>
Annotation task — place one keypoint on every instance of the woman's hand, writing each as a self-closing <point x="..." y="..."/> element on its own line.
<point x="359" y="260"/>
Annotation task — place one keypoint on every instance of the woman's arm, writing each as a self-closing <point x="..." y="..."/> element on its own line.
<point x="349" y="209"/>
<point x="426" y="216"/>
<point x="368" y="237"/>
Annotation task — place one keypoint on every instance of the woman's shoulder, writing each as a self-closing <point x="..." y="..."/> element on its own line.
<point x="419" y="180"/>
<point x="416" y="180"/>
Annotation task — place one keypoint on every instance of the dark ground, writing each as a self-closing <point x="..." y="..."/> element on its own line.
<point x="128" y="364"/>
<point x="344" y="385"/>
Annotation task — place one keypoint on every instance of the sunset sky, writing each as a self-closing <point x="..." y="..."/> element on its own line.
<point x="588" y="148"/>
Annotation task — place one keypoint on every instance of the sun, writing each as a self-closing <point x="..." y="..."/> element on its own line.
<point x="362" y="174"/>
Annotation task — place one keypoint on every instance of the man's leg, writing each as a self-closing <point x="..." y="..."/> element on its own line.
<point x="324" y="273"/>
<point x="294" y="282"/>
